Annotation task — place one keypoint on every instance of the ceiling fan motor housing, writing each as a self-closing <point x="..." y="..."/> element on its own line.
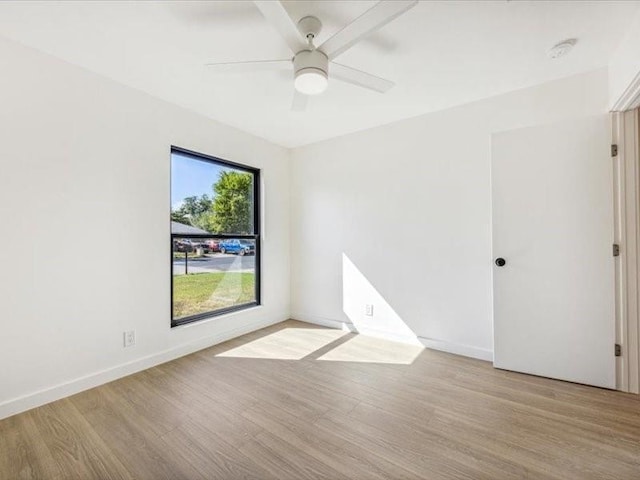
<point x="307" y="60"/>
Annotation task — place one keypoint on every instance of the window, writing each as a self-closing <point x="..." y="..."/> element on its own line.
<point x="215" y="236"/>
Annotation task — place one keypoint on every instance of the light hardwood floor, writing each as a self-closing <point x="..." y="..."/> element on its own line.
<point x="300" y="402"/>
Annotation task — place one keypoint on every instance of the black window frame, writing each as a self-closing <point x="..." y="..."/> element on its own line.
<point x="255" y="237"/>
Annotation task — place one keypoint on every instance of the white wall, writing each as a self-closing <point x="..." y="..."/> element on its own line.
<point x="402" y="212"/>
<point x="400" y="216"/>
<point x="84" y="243"/>
<point x="624" y="66"/>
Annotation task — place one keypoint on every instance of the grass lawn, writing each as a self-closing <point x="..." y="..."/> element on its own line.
<point x="204" y="292"/>
<point x="180" y="255"/>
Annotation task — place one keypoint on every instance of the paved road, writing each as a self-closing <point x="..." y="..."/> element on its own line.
<point x="216" y="262"/>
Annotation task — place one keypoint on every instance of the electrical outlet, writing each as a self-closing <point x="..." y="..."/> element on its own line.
<point x="130" y="338"/>
<point x="369" y="310"/>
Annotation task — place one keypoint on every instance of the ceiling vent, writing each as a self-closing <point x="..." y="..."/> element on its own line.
<point x="562" y="48"/>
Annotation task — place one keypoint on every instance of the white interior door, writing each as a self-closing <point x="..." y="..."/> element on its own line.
<point x="552" y="195"/>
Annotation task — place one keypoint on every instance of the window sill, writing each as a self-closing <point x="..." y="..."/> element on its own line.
<point x="212" y="317"/>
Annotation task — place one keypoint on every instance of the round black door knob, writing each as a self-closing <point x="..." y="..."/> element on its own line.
<point x="501" y="262"/>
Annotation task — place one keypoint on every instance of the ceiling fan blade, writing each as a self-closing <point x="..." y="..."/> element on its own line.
<point x="299" y="103"/>
<point x="376" y="17"/>
<point x="360" y="78"/>
<point x="250" y="66"/>
<point x="278" y="17"/>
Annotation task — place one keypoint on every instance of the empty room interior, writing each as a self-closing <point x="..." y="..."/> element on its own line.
<point x="344" y="239"/>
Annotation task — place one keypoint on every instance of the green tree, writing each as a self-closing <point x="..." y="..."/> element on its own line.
<point x="232" y="203"/>
<point x="194" y="211"/>
<point x="179" y="216"/>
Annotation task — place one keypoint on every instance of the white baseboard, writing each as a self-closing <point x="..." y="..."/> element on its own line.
<point x="322" y="321"/>
<point x="47" y="395"/>
<point x="458" y="349"/>
<point x="432" y="343"/>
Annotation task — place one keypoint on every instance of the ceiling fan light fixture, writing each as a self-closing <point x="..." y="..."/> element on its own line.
<point x="311" y="69"/>
<point x="311" y="81"/>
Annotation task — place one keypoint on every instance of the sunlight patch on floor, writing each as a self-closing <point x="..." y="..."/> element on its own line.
<point x="365" y="349"/>
<point x="286" y="344"/>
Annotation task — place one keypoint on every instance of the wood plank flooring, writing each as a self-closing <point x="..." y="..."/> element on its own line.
<point x="295" y="401"/>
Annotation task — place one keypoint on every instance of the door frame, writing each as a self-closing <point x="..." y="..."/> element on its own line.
<point x="625" y="133"/>
<point x="630" y="98"/>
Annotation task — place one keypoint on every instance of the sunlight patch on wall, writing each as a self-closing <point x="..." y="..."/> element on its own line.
<point x="286" y="344"/>
<point x="357" y="293"/>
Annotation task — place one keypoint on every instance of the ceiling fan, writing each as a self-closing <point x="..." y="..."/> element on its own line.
<point x="311" y="64"/>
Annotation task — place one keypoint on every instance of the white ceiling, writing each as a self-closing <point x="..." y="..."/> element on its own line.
<point x="439" y="54"/>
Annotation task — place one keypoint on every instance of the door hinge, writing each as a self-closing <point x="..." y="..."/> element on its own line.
<point x="616" y="250"/>
<point x="614" y="150"/>
<point x="618" y="350"/>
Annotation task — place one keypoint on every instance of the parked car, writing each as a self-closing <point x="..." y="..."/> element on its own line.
<point x="183" y="245"/>
<point x="188" y="245"/>
<point x="213" y="245"/>
<point x="238" y="247"/>
<point x="204" y="245"/>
